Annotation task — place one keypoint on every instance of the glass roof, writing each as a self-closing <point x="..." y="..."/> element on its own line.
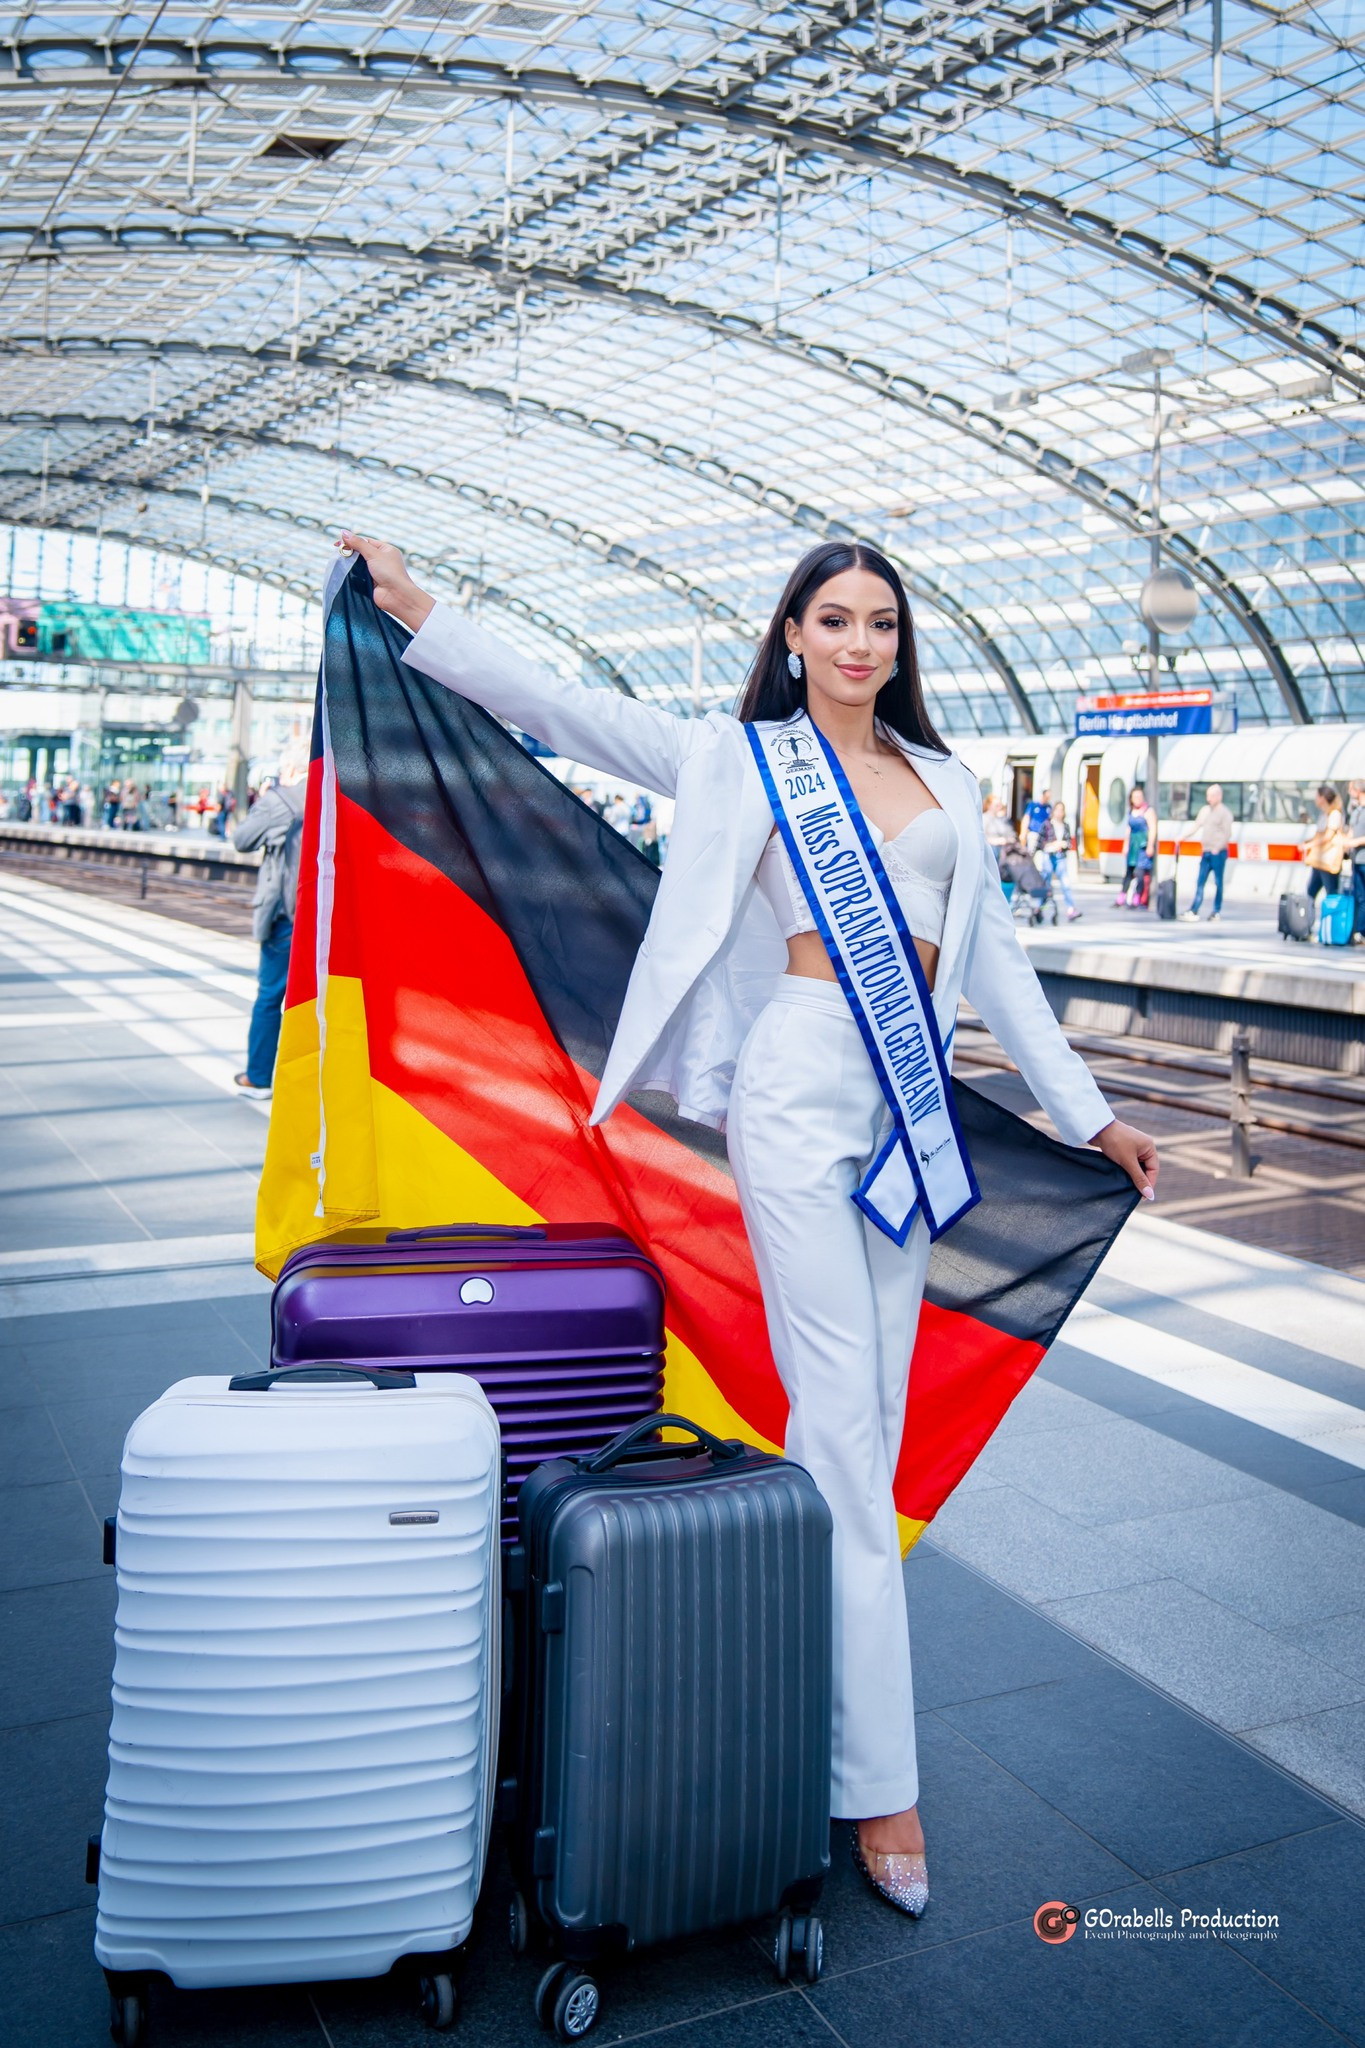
<point x="606" y="310"/>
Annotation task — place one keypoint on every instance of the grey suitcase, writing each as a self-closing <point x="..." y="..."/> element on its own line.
<point x="1296" y="917"/>
<point x="668" y="1761"/>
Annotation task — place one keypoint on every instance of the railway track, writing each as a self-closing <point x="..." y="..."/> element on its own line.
<point x="144" y="878"/>
<point x="1133" y="1074"/>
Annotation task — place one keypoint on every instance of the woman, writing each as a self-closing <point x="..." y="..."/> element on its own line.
<point x="776" y="1059"/>
<point x="1325" y="851"/>
<point x="1138" y="863"/>
<point x="1054" y="849"/>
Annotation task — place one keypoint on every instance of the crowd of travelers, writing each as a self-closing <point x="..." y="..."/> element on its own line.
<point x="1034" y="856"/>
<point x="121" y="805"/>
<point x="634" y="819"/>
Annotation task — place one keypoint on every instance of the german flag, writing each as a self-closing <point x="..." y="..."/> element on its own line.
<point x="464" y="934"/>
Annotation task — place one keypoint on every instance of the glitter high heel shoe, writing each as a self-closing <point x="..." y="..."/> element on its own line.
<point x="901" y="1878"/>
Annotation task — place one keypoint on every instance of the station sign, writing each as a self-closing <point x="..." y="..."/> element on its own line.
<point x="1155" y="714"/>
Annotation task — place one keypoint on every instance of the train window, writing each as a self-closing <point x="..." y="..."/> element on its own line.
<point x="1118" y="800"/>
<point x="1281" y="803"/>
<point x="1182" y="802"/>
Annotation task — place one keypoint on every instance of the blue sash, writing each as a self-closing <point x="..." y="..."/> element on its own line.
<point x="924" y="1162"/>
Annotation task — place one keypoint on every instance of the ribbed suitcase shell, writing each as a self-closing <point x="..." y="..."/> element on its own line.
<point x="305" y="1717"/>
<point x="569" y="1349"/>
<point x="674" y="1765"/>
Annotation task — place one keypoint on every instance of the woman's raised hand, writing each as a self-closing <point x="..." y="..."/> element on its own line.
<point x="394" y="589"/>
<point x="1134" y="1151"/>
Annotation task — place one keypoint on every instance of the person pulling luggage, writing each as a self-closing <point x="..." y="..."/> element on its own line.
<point x="1324" y="849"/>
<point x="1213" y="829"/>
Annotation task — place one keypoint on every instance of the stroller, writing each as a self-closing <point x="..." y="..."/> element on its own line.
<point x="1028" y="891"/>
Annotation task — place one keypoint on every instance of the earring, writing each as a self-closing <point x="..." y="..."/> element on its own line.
<point x="794" y="664"/>
<point x="895" y="669"/>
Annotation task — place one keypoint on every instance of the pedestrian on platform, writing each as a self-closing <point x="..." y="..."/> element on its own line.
<point x="1137" y="872"/>
<point x="1213" y="830"/>
<point x="832" y="712"/>
<point x="1034" y="821"/>
<point x="222" y="813"/>
<point x="274" y="822"/>
<point x="1325" y="850"/>
<point x="641" y="815"/>
<point x="1354" y="844"/>
<point x="1055" y="843"/>
<point x="995" y="823"/>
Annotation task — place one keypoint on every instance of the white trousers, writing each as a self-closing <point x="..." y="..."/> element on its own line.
<point x="842" y="1302"/>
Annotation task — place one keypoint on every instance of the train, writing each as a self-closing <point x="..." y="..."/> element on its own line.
<point x="1269" y="776"/>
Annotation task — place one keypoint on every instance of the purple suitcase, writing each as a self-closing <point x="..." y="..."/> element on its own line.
<point x="562" y="1324"/>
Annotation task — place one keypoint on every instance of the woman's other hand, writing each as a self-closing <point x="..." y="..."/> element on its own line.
<point x="1135" y="1152"/>
<point x="394" y="589"/>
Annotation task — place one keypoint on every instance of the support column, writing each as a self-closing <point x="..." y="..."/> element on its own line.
<point x="239" y="744"/>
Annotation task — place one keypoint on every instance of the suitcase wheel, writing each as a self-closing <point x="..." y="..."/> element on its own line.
<point x="437" y="1995"/>
<point x="575" y="2007"/>
<point x="127" y="2018"/>
<point x="799" y="1950"/>
<point x="519" y="1925"/>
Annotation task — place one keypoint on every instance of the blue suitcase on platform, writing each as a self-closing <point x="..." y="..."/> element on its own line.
<point x="1336" y="920"/>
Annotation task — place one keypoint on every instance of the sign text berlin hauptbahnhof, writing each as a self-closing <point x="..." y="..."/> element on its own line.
<point x="1153" y="714"/>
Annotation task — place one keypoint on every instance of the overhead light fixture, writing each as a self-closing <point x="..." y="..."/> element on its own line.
<point x="1147" y="359"/>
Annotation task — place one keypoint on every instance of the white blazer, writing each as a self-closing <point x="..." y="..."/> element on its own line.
<point x="708" y="960"/>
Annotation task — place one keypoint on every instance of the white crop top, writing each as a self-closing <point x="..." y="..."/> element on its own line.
<point x="919" y="865"/>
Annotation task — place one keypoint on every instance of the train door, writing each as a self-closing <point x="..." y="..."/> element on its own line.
<point x="1090" y="810"/>
<point x="1021" y="789"/>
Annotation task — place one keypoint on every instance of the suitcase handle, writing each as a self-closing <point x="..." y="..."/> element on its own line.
<point x="479" y="1230"/>
<point x="621" y="1446"/>
<point x="378" y="1377"/>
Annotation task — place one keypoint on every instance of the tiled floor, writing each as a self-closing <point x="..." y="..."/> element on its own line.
<point x="1169" y="1533"/>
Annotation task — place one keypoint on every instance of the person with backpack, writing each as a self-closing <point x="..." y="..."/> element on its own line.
<point x="274" y="822"/>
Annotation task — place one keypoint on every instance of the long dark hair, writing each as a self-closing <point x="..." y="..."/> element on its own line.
<point x="772" y="691"/>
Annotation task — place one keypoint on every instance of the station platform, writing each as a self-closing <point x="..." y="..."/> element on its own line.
<point x="1194" y="984"/>
<point x="189" y="847"/>
<point x="1138" y="1626"/>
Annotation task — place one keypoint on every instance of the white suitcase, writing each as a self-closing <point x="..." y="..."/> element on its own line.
<point x="306" y="1682"/>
